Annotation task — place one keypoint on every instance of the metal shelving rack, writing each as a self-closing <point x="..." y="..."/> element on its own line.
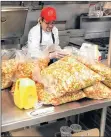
<point x="109" y="52"/>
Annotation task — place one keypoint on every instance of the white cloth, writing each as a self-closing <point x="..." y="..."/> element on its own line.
<point x="34" y="47"/>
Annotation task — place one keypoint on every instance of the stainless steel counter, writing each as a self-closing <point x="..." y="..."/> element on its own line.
<point x="14" y="118"/>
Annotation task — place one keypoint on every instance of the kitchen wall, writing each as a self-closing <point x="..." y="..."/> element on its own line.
<point x="68" y="12"/>
<point x="65" y="12"/>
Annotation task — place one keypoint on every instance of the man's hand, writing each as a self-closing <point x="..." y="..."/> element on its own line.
<point x="57" y="54"/>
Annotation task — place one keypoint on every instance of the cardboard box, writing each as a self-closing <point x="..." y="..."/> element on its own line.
<point x="87" y="133"/>
<point x="107" y="5"/>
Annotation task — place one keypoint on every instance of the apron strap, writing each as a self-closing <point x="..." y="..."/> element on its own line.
<point x="40" y="34"/>
<point x="53" y="38"/>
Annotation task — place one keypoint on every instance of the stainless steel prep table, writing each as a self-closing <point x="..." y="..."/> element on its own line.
<point x="14" y="118"/>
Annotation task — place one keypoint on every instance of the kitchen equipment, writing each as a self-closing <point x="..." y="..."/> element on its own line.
<point x="97" y="31"/>
<point x="12" y="25"/>
<point x="76" y="128"/>
<point x="65" y="131"/>
<point x="13" y="21"/>
<point x="95" y="25"/>
<point x="25" y="95"/>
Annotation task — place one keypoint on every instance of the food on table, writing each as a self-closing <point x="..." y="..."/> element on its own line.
<point x="98" y="91"/>
<point x="68" y="75"/>
<point x="8" y="69"/>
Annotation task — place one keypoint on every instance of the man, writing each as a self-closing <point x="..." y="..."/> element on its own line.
<point x="44" y="34"/>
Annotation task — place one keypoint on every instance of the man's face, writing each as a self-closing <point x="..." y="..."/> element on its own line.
<point x="47" y="26"/>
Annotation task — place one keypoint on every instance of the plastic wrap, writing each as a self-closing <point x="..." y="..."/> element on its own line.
<point x="8" y="54"/>
<point x="98" y="91"/>
<point x="8" y="71"/>
<point x="49" y="98"/>
<point x="107" y="83"/>
<point x="98" y="67"/>
<point x="43" y="95"/>
<point x="56" y="52"/>
<point x="28" y="67"/>
<point x="68" y="98"/>
<point x="68" y="75"/>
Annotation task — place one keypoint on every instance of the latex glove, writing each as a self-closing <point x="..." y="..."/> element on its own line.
<point x="57" y="54"/>
<point x="52" y="48"/>
<point x="54" y="55"/>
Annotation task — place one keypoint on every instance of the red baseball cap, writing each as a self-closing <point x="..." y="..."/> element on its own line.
<point x="49" y="14"/>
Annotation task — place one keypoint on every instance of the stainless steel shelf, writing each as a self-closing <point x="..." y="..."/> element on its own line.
<point x="14" y="118"/>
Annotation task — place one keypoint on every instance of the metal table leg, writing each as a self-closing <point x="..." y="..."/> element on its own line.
<point x="78" y="118"/>
<point x="109" y="51"/>
<point x="103" y="121"/>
